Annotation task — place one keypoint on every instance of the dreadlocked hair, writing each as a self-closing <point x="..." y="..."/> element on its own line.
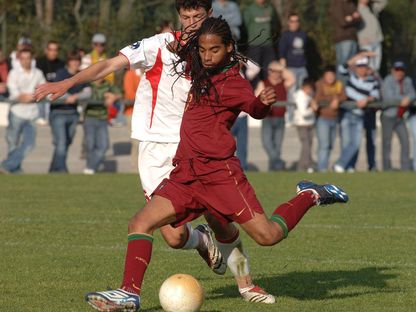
<point x="189" y="52"/>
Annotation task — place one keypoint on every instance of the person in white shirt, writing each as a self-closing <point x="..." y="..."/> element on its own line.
<point x="304" y="120"/>
<point x="21" y="131"/>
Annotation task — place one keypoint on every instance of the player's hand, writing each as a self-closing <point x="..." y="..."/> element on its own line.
<point x="55" y="89"/>
<point x="268" y="96"/>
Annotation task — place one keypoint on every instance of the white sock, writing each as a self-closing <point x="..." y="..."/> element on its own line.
<point x="193" y="238"/>
<point x="236" y="259"/>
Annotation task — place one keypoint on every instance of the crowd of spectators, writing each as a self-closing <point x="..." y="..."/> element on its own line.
<point x="342" y="100"/>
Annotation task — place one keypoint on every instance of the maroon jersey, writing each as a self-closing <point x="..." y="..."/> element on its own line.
<point x="205" y="129"/>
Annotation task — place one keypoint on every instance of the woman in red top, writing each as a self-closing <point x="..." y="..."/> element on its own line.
<point x="207" y="175"/>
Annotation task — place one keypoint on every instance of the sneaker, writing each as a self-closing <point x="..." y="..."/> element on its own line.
<point x="256" y="294"/>
<point x="211" y="254"/>
<point x="338" y="168"/>
<point x="325" y="194"/>
<point x="41" y="122"/>
<point x="114" y="301"/>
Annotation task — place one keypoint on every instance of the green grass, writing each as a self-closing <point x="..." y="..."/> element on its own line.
<point x="64" y="235"/>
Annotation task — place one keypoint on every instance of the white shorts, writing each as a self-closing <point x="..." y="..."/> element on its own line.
<point x="155" y="164"/>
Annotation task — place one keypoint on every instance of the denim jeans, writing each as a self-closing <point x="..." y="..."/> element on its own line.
<point x="351" y="132"/>
<point x="412" y="124"/>
<point x="96" y="140"/>
<point x="20" y="137"/>
<point x="326" y="131"/>
<point x="375" y="61"/>
<point x="344" y="51"/>
<point x="240" y="132"/>
<point x="272" y="132"/>
<point x="63" y="126"/>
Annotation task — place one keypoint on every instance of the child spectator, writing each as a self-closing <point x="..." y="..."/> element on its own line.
<point x="104" y="95"/>
<point x="330" y="90"/>
<point x="273" y="126"/>
<point x="304" y="120"/>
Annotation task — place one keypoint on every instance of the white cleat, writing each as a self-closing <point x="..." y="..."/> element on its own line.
<point x="257" y="294"/>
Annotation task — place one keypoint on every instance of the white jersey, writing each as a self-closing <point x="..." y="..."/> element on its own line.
<point x="161" y="95"/>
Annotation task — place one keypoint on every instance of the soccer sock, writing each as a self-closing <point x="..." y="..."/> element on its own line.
<point x="192" y="241"/>
<point x="287" y="215"/>
<point x="232" y="251"/>
<point x="139" y="253"/>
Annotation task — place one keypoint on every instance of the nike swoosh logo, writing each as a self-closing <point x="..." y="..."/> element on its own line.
<point x="239" y="213"/>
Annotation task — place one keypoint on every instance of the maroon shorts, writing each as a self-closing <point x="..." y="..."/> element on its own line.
<point x="218" y="187"/>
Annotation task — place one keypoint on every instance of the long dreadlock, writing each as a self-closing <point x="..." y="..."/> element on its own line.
<point x="189" y="53"/>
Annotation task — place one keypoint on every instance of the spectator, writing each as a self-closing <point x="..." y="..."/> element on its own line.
<point x="292" y="49"/>
<point x="370" y="35"/>
<point x="4" y="71"/>
<point x="330" y="90"/>
<point x="304" y="120"/>
<point x="49" y="65"/>
<point x="344" y="21"/>
<point x="21" y="131"/>
<point x="397" y="87"/>
<point x="261" y="22"/>
<point x="95" y="124"/>
<point x="362" y="88"/>
<point x="97" y="54"/>
<point x="24" y="43"/>
<point x="164" y="27"/>
<point x="64" y="115"/>
<point x="131" y="82"/>
<point x="230" y="11"/>
<point x="412" y="124"/>
<point x="240" y="132"/>
<point x="273" y="126"/>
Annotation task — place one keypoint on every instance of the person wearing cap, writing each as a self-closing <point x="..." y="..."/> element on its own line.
<point x="23" y="43"/>
<point x="273" y="126"/>
<point x="362" y="88"/>
<point x="397" y="87"/>
<point x="97" y="54"/>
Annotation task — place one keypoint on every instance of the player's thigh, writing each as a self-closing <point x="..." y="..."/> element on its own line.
<point x="158" y="212"/>
<point x="155" y="164"/>
<point x="262" y="230"/>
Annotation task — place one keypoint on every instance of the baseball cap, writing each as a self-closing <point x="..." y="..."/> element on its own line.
<point x="364" y="61"/>
<point x="399" y="65"/>
<point x="24" y="40"/>
<point x="98" y="38"/>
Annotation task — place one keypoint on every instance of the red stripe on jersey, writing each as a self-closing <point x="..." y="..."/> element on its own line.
<point x="153" y="76"/>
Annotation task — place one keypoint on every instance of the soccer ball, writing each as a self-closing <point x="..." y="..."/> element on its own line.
<point x="181" y="293"/>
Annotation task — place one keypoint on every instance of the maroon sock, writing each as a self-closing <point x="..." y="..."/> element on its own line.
<point x="139" y="253"/>
<point x="287" y="215"/>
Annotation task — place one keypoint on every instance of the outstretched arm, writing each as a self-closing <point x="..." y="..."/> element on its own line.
<point x="91" y="73"/>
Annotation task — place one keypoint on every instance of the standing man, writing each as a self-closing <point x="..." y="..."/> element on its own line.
<point x="49" y="64"/>
<point x="396" y="87"/>
<point x="261" y="22"/>
<point x="345" y="21"/>
<point x="230" y="11"/>
<point x="156" y="122"/>
<point x="21" y="131"/>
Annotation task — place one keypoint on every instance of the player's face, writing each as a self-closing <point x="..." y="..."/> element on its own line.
<point x="212" y="51"/>
<point x="191" y="19"/>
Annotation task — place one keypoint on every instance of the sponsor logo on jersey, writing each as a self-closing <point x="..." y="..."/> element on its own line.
<point x="135" y="45"/>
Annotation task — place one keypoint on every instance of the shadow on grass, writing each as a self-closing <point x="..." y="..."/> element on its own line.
<point x="320" y="285"/>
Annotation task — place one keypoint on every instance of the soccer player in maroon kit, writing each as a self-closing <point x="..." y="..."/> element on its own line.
<point x="207" y="176"/>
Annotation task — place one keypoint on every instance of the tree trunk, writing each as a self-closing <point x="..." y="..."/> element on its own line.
<point x="125" y="10"/>
<point x="39" y="13"/>
<point x="49" y="13"/>
<point x="78" y="18"/>
<point x="104" y="17"/>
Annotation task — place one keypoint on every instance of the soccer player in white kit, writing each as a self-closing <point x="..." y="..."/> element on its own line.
<point x="157" y="115"/>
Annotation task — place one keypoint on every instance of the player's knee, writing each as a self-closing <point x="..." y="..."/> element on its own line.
<point x="136" y="225"/>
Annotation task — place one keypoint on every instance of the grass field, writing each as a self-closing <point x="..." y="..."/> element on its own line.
<point x="65" y="235"/>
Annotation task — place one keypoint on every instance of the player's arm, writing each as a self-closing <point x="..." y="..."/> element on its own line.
<point x="91" y="73"/>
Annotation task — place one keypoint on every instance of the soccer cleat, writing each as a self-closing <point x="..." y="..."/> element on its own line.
<point x="256" y="294"/>
<point x="325" y="194"/>
<point x="211" y="254"/>
<point x="117" y="300"/>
